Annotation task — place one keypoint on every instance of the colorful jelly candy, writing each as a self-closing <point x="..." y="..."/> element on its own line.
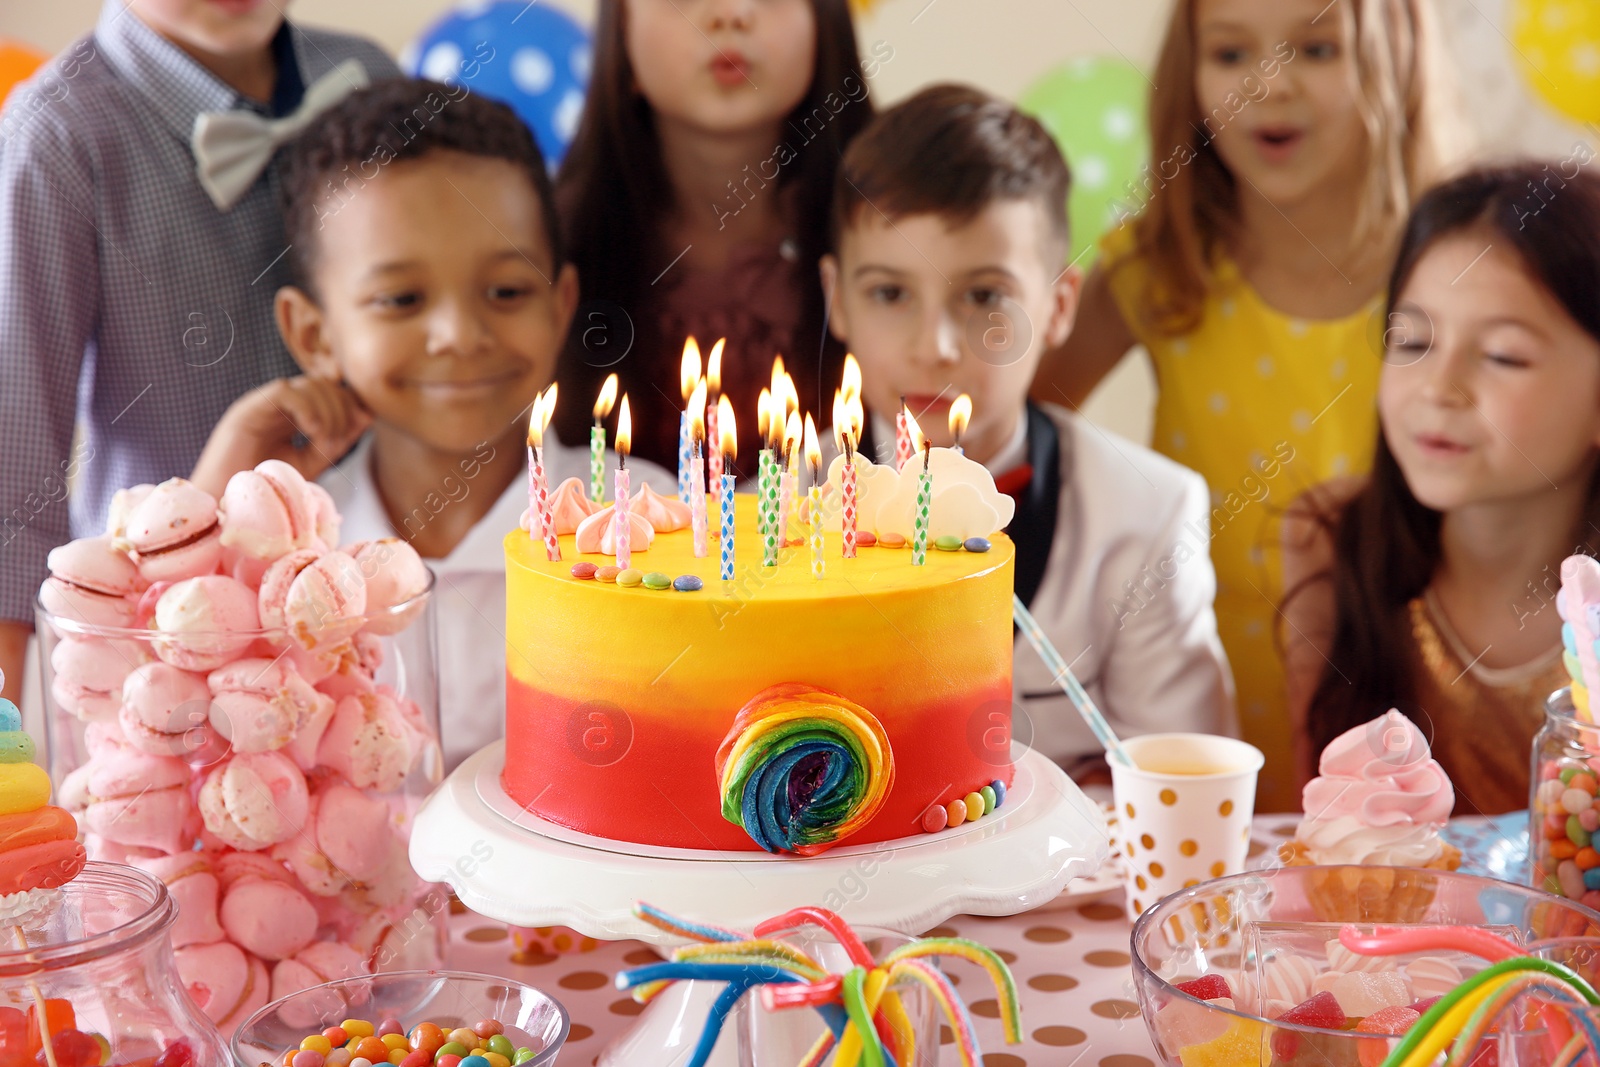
<point x="1239" y="1046"/>
<point x="1321" y="1010"/>
<point x="1207" y="987"/>
<point x="1393" y="1021"/>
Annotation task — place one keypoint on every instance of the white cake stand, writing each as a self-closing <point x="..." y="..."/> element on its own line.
<point x="508" y="864"/>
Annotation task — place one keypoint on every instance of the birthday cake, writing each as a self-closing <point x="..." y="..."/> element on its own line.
<point x="663" y="705"/>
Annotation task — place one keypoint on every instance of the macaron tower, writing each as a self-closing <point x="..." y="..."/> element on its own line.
<point x="225" y="664"/>
<point x="39" y="849"/>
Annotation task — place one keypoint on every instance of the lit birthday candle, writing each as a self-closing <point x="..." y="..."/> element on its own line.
<point x="903" y="447"/>
<point x="597" y="439"/>
<point x="697" y="468"/>
<point x="621" y="532"/>
<point x="919" y="532"/>
<point x="788" y="474"/>
<point x="847" y="419"/>
<point x="544" y="406"/>
<point x="766" y="483"/>
<point x="728" y="450"/>
<point x="713" y="413"/>
<point x="814" y="461"/>
<point x="960" y="415"/>
<point x="688" y="375"/>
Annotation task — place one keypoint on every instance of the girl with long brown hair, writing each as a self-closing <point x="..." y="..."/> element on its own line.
<point x="1429" y="585"/>
<point x="1289" y="138"/>
<point x="695" y="199"/>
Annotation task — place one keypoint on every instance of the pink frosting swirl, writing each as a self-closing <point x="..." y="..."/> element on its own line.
<point x="597" y="533"/>
<point x="1382" y="775"/>
<point x="664" y="513"/>
<point x="570" y="505"/>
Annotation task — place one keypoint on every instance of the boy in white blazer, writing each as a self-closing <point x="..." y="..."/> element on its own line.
<point x="949" y="276"/>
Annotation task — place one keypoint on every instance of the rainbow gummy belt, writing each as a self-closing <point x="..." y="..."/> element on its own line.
<point x="861" y="1008"/>
<point x="802" y="769"/>
<point x="1465" y="1016"/>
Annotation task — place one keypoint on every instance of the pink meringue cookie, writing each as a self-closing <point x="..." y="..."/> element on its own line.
<point x="595" y="534"/>
<point x="89" y="673"/>
<point x="268" y="512"/>
<point x="315" y="599"/>
<point x="569" y="506"/>
<point x="227" y="984"/>
<point x="348" y="838"/>
<point x="664" y="513"/>
<point x="391" y="942"/>
<point x="173" y="532"/>
<point x="136" y="799"/>
<point x="92" y="582"/>
<point x="369" y="742"/>
<point x="393" y="885"/>
<point x="327" y="515"/>
<point x="165" y="710"/>
<point x="205" y="622"/>
<point x="395" y="575"/>
<point x="268" y="918"/>
<point x="255" y="800"/>
<point x="317" y="964"/>
<point x="231" y="867"/>
<point x="193" y="885"/>
<point x="260" y="704"/>
<point x="123" y="501"/>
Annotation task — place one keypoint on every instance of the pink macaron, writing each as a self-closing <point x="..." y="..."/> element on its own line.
<point x="349" y="839"/>
<point x="165" y="710"/>
<point x="255" y="800"/>
<point x="205" y="622"/>
<point x="269" y="918"/>
<point x="260" y="704"/>
<point x="268" y="512"/>
<point x="317" y="964"/>
<point x="173" y="532"/>
<point x="316" y="599"/>
<point x="137" y="799"/>
<point x="193" y="885"/>
<point x="89" y="674"/>
<point x="328" y="518"/>
<point x="369" y="742"/>
<point x="226" y="983"/>
<point x="92" y="582"/>
<point x="396" y="577"/>
<point x="234" y="867"/>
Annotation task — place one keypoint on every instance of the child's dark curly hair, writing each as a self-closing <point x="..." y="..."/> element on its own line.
<point x="394" y="120"/>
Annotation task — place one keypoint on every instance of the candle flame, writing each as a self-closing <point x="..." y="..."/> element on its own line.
<point x="857" y="416"/>
<point x="960" y="415"/>
<point x="791" y="433"/>
<point x="624" y="429"/>
<point x="725" y="428"/>
<point x="697" y="412"/>
<point x="919" y="441"/>
<point x="851" y="385"/>
<point x="842" y="435"/>
<point x="544" y="407"/>
<point x="714" y="369"/>
<point x="607" y="398"/>
<point x="764" y="415"/>
<point x="778" y="375"/>
<point x="813" y="449"/>
<point x="689" y="372"/>
<point x="791" y="397"/>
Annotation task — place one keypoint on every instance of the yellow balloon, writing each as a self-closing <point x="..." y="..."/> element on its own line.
<point x="1558" y="50"/>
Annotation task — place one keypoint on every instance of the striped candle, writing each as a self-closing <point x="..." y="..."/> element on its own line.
<point x="597" y="463"/>
<point x="767" y="506"/>
<point x="903" y="449"/>
<point x="713" y="451"/>
<point x="919" y="534"/>
<point x="541" y="489"/>
<point x="818" y="565"/>
<point x="621" y="532"/>
<point x="849" y="494"/>
<point x="685" y="456"/>
<point x="697" y="502"/>
<point x="727" y="526"/>
<point x="787" y="486"/>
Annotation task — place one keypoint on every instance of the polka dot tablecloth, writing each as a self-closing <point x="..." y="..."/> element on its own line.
<point x="1069" y="958"/>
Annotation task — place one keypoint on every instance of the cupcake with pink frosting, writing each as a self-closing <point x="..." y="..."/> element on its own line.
<point x="1373" y="816"/>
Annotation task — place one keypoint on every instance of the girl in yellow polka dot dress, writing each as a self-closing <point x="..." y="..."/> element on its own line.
<point x="1288" y="140"/>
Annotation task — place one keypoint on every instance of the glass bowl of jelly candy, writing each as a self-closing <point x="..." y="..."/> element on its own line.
<point x="508" y="1021"/>
<point x="1248" y="969"/>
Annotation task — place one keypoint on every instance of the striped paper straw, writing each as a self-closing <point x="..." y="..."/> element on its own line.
<point x="1067" y="680"/>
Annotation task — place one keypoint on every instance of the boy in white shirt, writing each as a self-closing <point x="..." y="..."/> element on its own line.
<point x="949" y="276"/>
<point x="432" y="298"/>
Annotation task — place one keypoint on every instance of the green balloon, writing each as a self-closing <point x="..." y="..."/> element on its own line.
<point x="1095" y="109"/>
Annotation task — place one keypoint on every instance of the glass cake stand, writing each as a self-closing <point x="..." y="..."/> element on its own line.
<point x="510" y="865"/>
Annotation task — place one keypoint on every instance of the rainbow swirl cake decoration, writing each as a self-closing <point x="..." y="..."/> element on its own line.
<point x="802" y="769"/>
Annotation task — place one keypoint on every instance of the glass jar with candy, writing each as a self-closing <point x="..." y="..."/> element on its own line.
<point x="250" y="713"/>
<point x="1564" y="803"/>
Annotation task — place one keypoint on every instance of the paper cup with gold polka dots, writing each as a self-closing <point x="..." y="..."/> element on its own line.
<point x="1183" y="811"/>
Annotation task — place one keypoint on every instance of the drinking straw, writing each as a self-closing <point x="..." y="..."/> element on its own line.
<point x="1068" y="682"/>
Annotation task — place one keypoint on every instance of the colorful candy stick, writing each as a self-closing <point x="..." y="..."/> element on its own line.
<point x="1505" y="993"/>
<point x="944" y="994"/>
<point x="1396" y="941"/>
<point x="683" y="927"/>
<point x="810" y="995"/>
<point x="860" y="1040"/>
<point x="830" y="921"/>
<point x="1005" y="986"/>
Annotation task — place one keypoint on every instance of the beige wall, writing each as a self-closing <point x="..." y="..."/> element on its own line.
<point x="1000" y="45"/>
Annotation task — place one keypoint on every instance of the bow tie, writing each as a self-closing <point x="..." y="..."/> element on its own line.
<point x="232" y="148"/>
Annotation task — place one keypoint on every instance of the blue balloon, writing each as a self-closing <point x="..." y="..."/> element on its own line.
<point x="530" y="56"/>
